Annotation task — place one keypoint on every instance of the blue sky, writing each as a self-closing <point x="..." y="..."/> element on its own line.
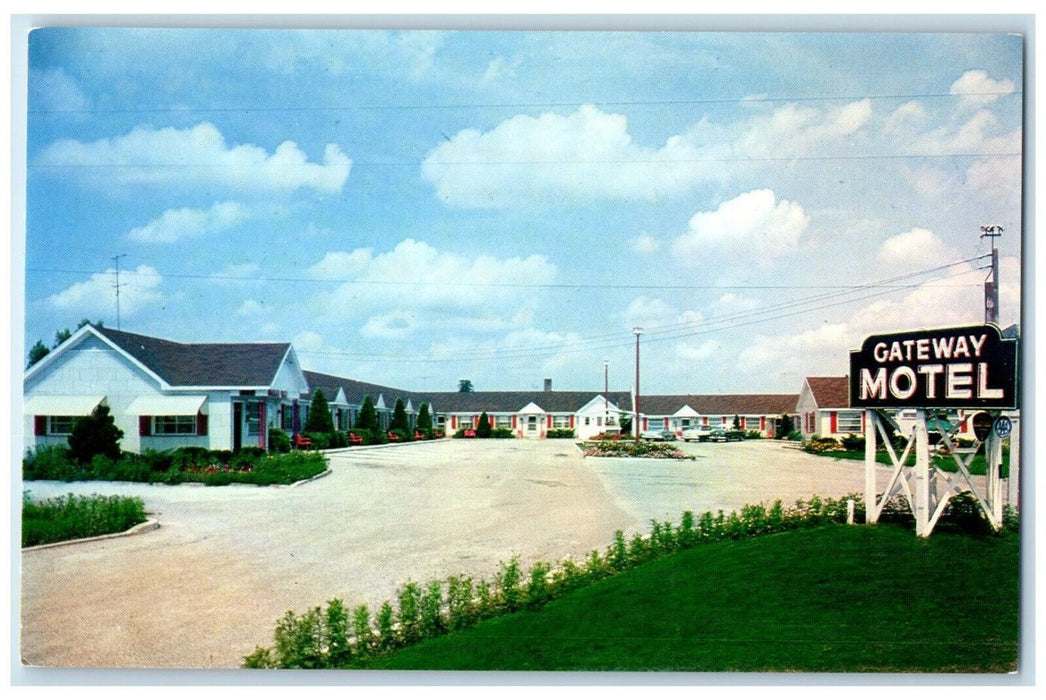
<point x="411" y="208"/>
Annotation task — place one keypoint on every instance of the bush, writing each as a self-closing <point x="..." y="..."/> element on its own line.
<point x="853" y="443"/>
<point x="753" y="435"/>
<point x="49" y="462"/>
<point x="818" y="445"/>
<point x="502" y="433"/>
<point x="73" y="517"/>
<point x="560" y="433"/>
<point x="279" y="441"/>
<point x="95" y="434"/>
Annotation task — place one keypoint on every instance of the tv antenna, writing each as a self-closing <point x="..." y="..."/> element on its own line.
<point x="117" y="285"/>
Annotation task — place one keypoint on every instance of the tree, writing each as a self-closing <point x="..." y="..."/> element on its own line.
<point x="737" y="422"/>
<point x="786" y="426"/>
<point x="95" y="434"/>
<point x="465" y="386"/>
<point x="37" y="353"/>
<point x="483" y="429"/>
<point x="319" y="419"/>
<point x="61" y="336"/>
<point x="399" y="417"/>
<point x="368" y="416"/>
<point x="424" y="422"/>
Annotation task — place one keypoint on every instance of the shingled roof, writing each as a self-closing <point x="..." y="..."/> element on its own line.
<point x="515" y="401"/>
<point x="202" y="364"/>
<point x="830" y="392"/>
<point x="355" y="390"/>
<point x="719" y="404"/>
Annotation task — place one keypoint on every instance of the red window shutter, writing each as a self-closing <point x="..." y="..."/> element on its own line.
<point x="515" y="422"/>
<point x="145" y="425"/>
<point x="39" y="425"/>
<point x="834" y="416"/>
<point x="762" y="422"/>
<point x="201" y="424"/>
<point x="550" y="420"/>
<point x="453" y="422"/>
<point x="571" y="420"/>
<point x="263" y="429"/>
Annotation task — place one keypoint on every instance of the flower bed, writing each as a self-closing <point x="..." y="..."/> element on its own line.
<point x="630" y="448"/>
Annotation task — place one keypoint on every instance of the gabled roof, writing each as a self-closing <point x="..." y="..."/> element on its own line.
<point x="830" y="392"/>
<point x="355" y="391"/>
<point x="202" y="364"/>
<point x="719" y="404"/>
<point x="515" y="401"/>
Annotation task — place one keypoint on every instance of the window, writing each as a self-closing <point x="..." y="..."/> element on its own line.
<point x="61" y="425"/>
<point x="465" y="422"/>
<point x="849" y="422"/>
<point x="503" y="421"/>
<point x="174" y="425"/>
<point x="253" y="413"/>
<point x="560" y="421"/>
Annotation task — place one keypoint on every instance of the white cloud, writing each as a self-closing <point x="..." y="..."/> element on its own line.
<point x="795" y="130"/>
<point x="177" y="224"/>
<point x="416" y="285"/>
<point x="139" y="288"/>
<point x="905" y="117"/>
<point x="752" y="225"/>
<point x="645" y="243"/>
<point x="585" y="155"/>
<point x="397" y="325"/>
<point x="918" y="248"/>
<point x="500" y="69"/>
<point x="196" y="156"/>
<point x="976" y="88"/>
<point x="338" y="265"/>
<point x="251" y="307"/>
<point x="52" y="90"/>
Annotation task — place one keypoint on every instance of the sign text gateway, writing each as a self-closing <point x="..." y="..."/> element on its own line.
<point x="967" y="367"/>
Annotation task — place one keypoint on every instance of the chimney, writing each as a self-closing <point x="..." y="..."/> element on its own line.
<point x="548" y="384"/>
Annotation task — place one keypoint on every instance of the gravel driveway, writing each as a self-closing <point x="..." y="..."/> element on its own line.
<point x="208" y="586"/>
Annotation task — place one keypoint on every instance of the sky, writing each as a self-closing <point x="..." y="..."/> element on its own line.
<point x="412" y="208"/>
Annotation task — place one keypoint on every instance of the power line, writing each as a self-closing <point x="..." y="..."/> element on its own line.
<point x="681" y="330"/>
<point x="181" y="109"/>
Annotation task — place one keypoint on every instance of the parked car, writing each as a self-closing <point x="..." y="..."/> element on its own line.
<point x="726" y="436"/>
<point x="699" y="433"/>
<point x="657" y="435"/>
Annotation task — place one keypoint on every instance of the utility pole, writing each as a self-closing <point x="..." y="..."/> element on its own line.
<point x="991" y="284"/>
<point x="606" y="390"/>
<point x="638" y="331"/>
<point x="117" y="285"/>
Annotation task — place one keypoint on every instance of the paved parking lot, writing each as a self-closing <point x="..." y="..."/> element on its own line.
<point x="208" y="586"/>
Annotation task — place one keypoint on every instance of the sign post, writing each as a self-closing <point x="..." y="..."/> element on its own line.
<point x="935" y="372"/>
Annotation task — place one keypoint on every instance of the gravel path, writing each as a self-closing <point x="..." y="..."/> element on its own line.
<point x="208" y="586"/>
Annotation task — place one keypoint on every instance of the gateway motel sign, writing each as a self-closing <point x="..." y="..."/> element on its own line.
<point x="967" y="367"/>
<point x="971" y="367"/>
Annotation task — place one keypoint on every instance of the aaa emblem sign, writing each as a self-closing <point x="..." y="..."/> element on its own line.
<point x="965" y="367"/>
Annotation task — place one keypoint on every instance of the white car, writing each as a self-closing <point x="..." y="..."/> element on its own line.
<point x="657" y="435"/>
<point x="699" y="433"/>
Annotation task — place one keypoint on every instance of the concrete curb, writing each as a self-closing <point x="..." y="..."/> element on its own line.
<point x="140" y="528"/>
<point x="296" y="484"/>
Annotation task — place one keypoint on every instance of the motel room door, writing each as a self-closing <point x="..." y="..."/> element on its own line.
<point x="532" y="426"/>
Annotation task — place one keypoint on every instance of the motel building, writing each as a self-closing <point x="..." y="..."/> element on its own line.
<point x="755" y="412"/>
<point x="225" y="396"/>
<point x="163" y="394"/>
<point x="824" y="410"/>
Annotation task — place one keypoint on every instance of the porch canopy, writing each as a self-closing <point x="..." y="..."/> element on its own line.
<point x="167" y="405"/>
<point x="61" y="405"/>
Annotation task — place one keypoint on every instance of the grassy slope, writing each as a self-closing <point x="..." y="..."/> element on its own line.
<point x="832" y="599"/>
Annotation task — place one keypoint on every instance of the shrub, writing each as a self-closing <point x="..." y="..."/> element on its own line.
<point x="538" y="589"/>
<point x="73" y="517"/>
<point x="509" y="589"/>
<point x="432" y="621"/>
<point x="279" y="441"/>
<point x="483" y="428"/>
<point x="502" y="433"/>
<point x="49" y="462"/>
<point x="818" y="445"/>
<point x="319" y="441"/>
<point x="409" y="613"/>
<point x="319" y="419"/>
<point x="560" y="433"/>
<point x="853" y="443"/>
<point x="95" y="434"/>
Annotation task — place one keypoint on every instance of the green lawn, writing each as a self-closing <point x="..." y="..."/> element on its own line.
<point x="828" y="599"/>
